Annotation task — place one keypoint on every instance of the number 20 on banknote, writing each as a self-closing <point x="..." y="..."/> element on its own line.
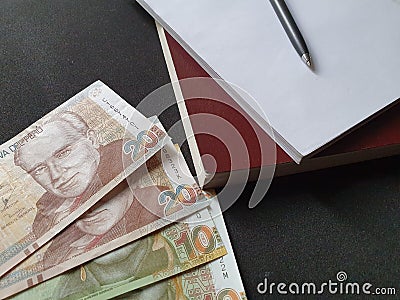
<point x="184" y="195"/>
<point x="146" y="139"/>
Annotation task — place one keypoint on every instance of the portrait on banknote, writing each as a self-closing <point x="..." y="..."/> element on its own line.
<point x="68" y="162"/>
<point x="61" y="165"/>
<point x="136" y="260"/>
<point x="116" y="215"/>
<point x="113" y="218"/>
<point x="71" y="165"/>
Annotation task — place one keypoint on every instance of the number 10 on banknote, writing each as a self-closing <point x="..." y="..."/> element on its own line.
<point x="55" y="170"/>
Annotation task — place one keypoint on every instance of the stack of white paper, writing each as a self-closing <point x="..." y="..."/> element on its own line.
<point x="354" y="46"/>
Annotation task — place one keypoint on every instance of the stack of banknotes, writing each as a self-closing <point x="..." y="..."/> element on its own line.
<point x="98" y="203"/>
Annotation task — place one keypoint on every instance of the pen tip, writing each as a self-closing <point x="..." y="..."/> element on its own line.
<point x="307" y="59"/>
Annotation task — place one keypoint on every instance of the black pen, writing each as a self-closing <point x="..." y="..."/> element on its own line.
<point x="292" y="31"/>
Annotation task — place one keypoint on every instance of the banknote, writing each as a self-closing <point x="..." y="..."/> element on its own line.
<point x="156" y="194"/>
<point x="216" y="280"/>
<point x="176" y="248"/>
<point x="60" y="166"/>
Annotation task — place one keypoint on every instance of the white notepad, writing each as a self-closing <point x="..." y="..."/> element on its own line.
<point x="354" y="44"/>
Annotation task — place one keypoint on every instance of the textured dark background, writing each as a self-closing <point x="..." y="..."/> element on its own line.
<point x="311" y="226"/>
<point x="308" y="227"/>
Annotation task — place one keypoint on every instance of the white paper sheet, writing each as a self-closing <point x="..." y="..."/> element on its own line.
<point x="354" y="45"/>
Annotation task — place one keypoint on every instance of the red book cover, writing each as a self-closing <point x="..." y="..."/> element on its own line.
<point x="378" y="138"/>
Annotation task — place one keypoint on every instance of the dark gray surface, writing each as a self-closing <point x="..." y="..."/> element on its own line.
<point x="50" y="50"/>
<point x="308" y="227"/>
<point x="311" y="226"/>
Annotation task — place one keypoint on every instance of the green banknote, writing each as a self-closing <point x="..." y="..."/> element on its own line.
<point x="216" y="280"/>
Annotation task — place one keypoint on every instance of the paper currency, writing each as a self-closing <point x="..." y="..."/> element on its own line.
<point x="201" y="283"/>
<point x="216" y="280"/>
<point x="176" y="248"/>
<point x="160" y="192"/>
<point x="64" y="163"/>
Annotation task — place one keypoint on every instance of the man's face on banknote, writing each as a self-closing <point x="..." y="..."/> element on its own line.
<point x="106" y="213"/>
<point x="61" y="159"/>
